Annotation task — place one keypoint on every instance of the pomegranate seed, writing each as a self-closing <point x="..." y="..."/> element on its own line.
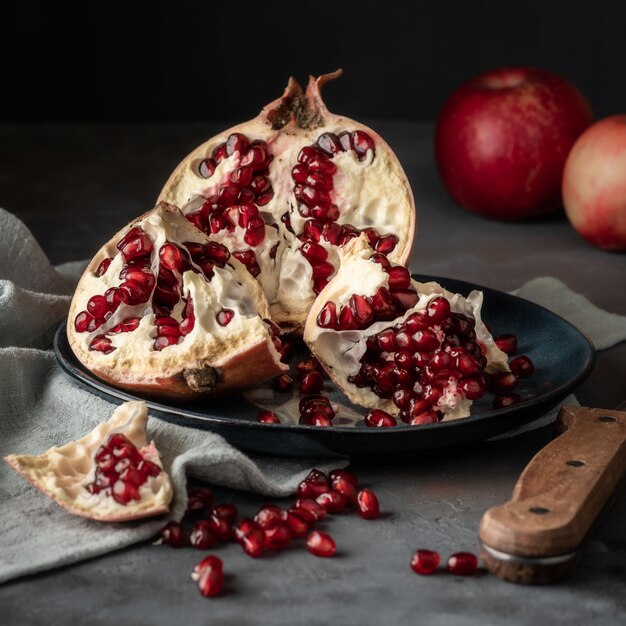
<point x="173" y="535"/>
<point x="318" y="511"/>
<point x="312" y="383"/>
<point x="361" y="309"/>
<point x="135" y="243"/>
<point x="327" y="317"/>
<point x="225" y="511"/>
<point x="315" y="484"/>
<point x="267" y="516"/>
<point x="101" y="343"/>
<point x="253" y="542"/>
<point x="333" y="501"/>
<point x="321" y="544"/>
<point x="224" y="317"/>
<point x="171" y="257"/>
<point x="207" y="168"/>
<point x="221" y="527"/>
<point x="379" y="419"/>
<point x="282" y="383"/>
<point x="438" y="310"/>
<point x="522" y="366"/>
<point x="507" y="343"/>
<point x="103" y="267"/>
<point x="345" y="474"/>
<point x="201" y="536"/>
<point x="425" y="340"/>
<point x="402" y="398"/>
<point x="467" y="365"/>
<point x="164" y="341"/>
<point x="195" y="507"/>
<point x="278" y="537"/>
<point x="248" y="258"/>
<point x="268" y="417"/>
<point x="346" y="486"/>
<point x="255" y="232"/>
<point x="255" y="155"/>
<point x="313" y="252"/>
<point x="209" y="574"/>
<point x="386" y="244"/>
<point x="316" y="403"/>
<point x="97" y="306"/>
<point x="202" y="493"/>
<point x="387" y="340"/>
<point x="316" y="419"/>
<point x="425" y="417"/>
<point x="425" y="562"/>
<point x="81" y="322"/>
<point x="405" y="298"/>
<point x="329" y="143"/>
<point x="304" y="514"/>
<point x="362" y="144"/>
<point x="462" y="564"/>
<point x="236" y="142"/>
<point x="502" y="382"/>
<point x="399" y="277"/>
<point x="506" y="400"/>
<point x="367" y="504"/>
<point x="299" y="527"/>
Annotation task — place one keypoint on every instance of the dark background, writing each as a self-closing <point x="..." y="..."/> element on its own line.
<point x="197" y="61"/>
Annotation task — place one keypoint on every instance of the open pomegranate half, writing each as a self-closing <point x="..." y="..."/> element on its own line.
<point x="162" y="309"/>
<point x="389" y="342"/>
<point x="287" y="189"/>
<point x="112" y="474"/>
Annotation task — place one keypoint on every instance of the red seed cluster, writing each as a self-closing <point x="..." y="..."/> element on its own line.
<point x="121" y="470"/>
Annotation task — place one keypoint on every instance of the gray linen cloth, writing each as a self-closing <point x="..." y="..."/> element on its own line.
<point x="40" y="407"/>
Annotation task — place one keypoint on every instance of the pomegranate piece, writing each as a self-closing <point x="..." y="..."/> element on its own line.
<point x="209" y="574"/>
<point x="367" y="504"/>
<point x="379" y="419"/>
<point x="522" y="366"/>
<point x="425" y="562"/>
<point x="321" y="544"/>
<point x="111" y="474"/>
<point x="462" y="564"/>
<point x="507" y="343"/>
<point x="173" y="535"/>
<point x="315" y="484"/>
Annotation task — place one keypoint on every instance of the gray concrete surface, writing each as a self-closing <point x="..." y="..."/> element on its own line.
<point x="75" y="186"/>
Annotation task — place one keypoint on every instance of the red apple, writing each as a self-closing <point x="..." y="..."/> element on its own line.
<point x="502" y="140"/>
<point x="594" y="184"/>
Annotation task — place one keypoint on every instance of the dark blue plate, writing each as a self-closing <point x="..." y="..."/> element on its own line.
<point x="562" y="355"/>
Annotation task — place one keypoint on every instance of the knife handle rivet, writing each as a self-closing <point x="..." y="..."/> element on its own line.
<point x="606" y="418"/>
<point x="538" y="510"/>
<point x="575" y="463"/>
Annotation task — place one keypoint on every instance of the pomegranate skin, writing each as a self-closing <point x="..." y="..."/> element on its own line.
<point x="594" y="184"/>
<point x="502" y="139"/>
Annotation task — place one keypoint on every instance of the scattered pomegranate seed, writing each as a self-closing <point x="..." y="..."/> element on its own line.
<point x="503" y="382"/>
<point x="333" y="501"/>
<point x="251" y="537"/>
<point x="315" y="484"/>
<point x="173" y="535"/>
<point x="321" y="544"/>
<point x="267" y="516"/>
<point x="343" y="473"/>
<point x="318" y="511"/>
<point x="379" y="419"/>
<point x="282" y="383"/>
<point x="462" y="564"/>
<point x="225" y="511"/>
<point x="312" y="383"/>
<point x="346" y="487"/>
<point x="367" y="504"/>
<point x="299" y="527"/>
<point x="522" y="366"/>
<point x="268" y="417"/>
<point x="209" y="574"/>
<point x="425" y="562"/>
<point x="507" y="343"/>
<point x="201" y="535"/>
<point x="202" y="493"/>
<point x="278" y="536"/>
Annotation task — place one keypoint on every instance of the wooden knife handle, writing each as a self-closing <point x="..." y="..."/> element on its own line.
<point x="563" y="488"/>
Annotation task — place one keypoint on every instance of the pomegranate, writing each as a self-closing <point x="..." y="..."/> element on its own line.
<point x="398" y="346"/>
<point x="173" y="313"/>
<point x="287" y="189"/>
<point x="112" y="474"/>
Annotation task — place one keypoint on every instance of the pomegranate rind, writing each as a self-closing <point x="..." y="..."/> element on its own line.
<point x="287" y="124"/>
<point x="63" y="473"/>
<point x="340" y="351"/>
<point x="211" y="360"/>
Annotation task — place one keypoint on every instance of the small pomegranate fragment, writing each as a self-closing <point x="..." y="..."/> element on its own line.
<point x="462" y="564"/>
<point x="268" y="417"/>
<point x="522" y="366"/>
<point x="321" y="544"/>
<point x="315" y="484"/>
<point x="209" y="574"/>
<point x="202" y="536"/>
<point x="507" y="343"/>
<point x="425" y="562"/>
<point x="367" y="504"/>
<point x="173" y="535"/>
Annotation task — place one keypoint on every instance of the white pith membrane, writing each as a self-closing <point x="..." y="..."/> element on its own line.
<point x="340" y="351"/>
<point x="369" y="189"/>
<point x="209" y="358"/>
<point x="66" y="473"/>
